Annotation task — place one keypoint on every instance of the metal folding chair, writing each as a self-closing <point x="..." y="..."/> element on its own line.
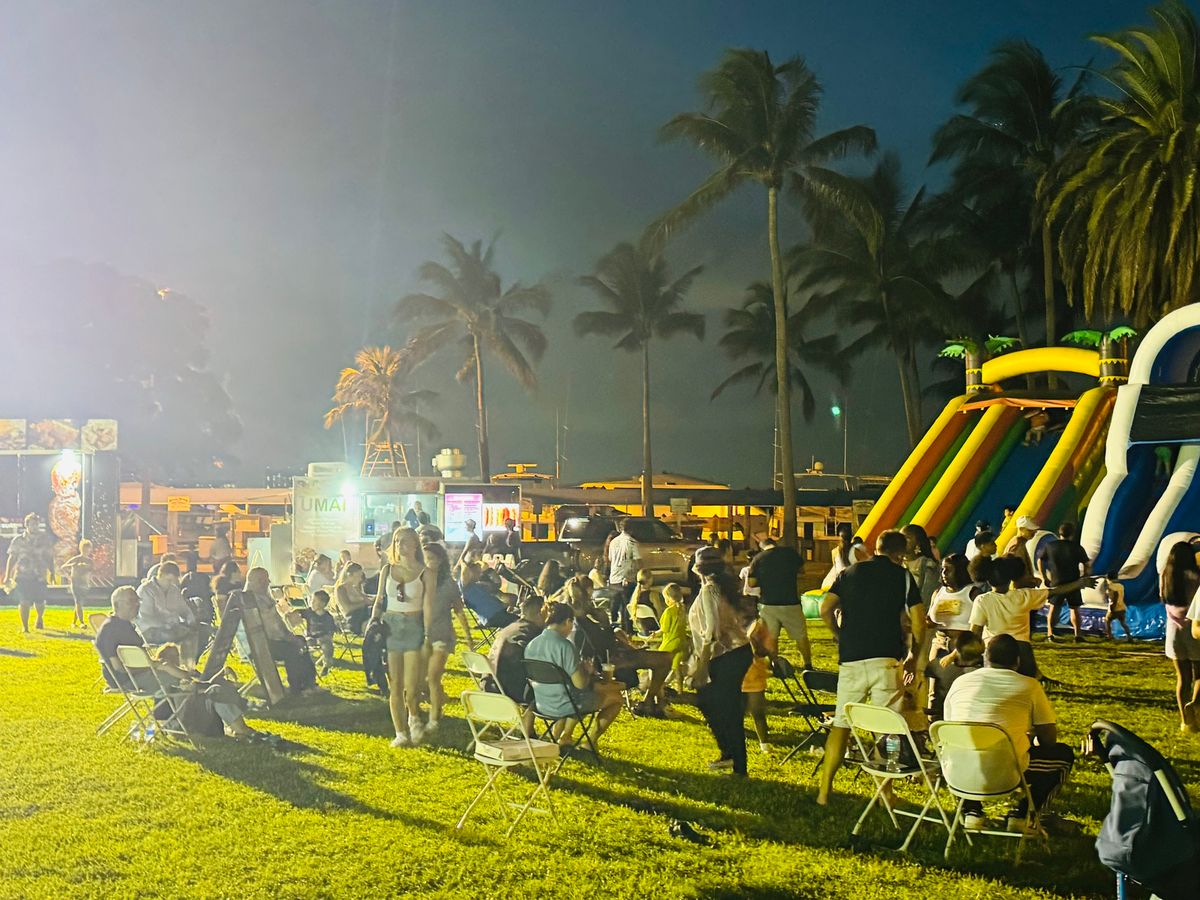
<point x="803" y="689"/>
<point x="541" y="672"/>
<point x="344" y="639"/>
<point x="979" y="762"/>
<point x="489" y="633"/>
<point x="135" y="660"/>
<point x="880" y="722"/>
<point x="486" y="712"/>
<point x="133" y="702"/>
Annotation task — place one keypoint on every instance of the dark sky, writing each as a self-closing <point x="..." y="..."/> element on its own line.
<point x="289" y="164"/>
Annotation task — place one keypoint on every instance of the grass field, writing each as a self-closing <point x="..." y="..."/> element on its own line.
<point x="345" y="816"/>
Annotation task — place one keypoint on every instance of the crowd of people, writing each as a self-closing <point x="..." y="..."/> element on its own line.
<point x="931" y="637"/>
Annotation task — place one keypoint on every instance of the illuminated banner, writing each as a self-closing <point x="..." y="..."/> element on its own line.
<point x="56" y="435"/>
<point x="459" y="509"/>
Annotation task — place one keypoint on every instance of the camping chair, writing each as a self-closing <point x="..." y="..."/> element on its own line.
<point x="136" y="659"/>
<point x="880" y="722"/>
<point x="817" y="716"/>
<point x="1151" y="835"/>
<point x="979" y="762"/>
<point x="540" y="672"/>
<point x="487" y="712"/>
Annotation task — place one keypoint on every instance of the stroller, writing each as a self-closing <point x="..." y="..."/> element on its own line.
<point x="1151" y="835"/>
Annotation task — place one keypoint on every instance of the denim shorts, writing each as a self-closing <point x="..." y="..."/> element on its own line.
<point x="406" y="634"/>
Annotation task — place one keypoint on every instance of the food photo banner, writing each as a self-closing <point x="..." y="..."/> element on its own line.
<point x="56" y="435"/>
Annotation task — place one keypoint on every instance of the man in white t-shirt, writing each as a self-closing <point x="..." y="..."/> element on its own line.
<point x="624" y="558"/>
<point x="1000" y="695"/>
<point x="981" y="527"/>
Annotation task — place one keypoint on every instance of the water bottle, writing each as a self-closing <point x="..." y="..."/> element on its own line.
<point x="891" y="750"/>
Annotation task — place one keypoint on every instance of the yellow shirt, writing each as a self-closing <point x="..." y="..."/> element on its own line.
<point x="674" y="631"/>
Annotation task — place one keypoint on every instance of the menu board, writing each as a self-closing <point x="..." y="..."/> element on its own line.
<point x="56" y="435"/>
<point x="459" y="509"/>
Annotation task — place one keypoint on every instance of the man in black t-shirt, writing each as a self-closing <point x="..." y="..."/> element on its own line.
<point x="1061" y="562"/>
<point x="508" y="650"/>
<point x="774" y="571"/>
<point x="871" y="596"/>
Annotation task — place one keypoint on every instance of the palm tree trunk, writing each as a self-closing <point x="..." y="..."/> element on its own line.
<point x="485" y="468"/>
<point x="783" y="393"/>
<point x="911" y="413"/>
<point x="1048" y="285"/>
<point x="647" y="465"/>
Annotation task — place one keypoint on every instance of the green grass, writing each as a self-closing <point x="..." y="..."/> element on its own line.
<point x="346" y="816"/>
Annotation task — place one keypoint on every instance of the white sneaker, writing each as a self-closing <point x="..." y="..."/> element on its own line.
<point x="400" y="740"/>
<point x="416" y="729"/>
<point x="1019" y="825"/>
<point x="764" y="747"/>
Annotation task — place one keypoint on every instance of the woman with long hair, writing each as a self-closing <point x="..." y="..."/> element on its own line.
<point x="845" y="554"/>
<point x="350" y="596"/>
<point x="721" y="658"/>
<point x="1180" y="581"/>
<point x="320" y="576"/>
<point x="227" y="580"/>
<point x="552" y="579"/>
<point x="405" y="588"/>
<point x="442" y="606"/>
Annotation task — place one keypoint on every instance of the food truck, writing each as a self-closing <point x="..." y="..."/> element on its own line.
<point x="334" y="510"/>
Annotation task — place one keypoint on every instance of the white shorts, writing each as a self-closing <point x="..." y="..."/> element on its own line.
<point x="787" y="618"/>
<point x="878" y="681"/>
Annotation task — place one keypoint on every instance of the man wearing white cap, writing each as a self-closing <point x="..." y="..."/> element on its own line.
<point x="1019" y="547"/>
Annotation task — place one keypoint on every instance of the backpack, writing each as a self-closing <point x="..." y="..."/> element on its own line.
<point x="374" y="656"/>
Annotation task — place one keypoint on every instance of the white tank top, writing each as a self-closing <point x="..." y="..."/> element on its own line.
<point x="412" y="602"/>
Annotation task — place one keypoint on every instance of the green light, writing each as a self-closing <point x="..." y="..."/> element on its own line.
<point x="836" y="410"/>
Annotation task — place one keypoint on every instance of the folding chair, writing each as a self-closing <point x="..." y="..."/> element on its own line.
<point x="132" y="703"/>
<point x="540" y="672"/>
<point x="979" y="762"/>
<point x="515" y="747"/>
<point x="343" y="644"/>
<point x="480" y="668"/>
<point x="644" y="612"/>
<point x="136" y="659"/>
<point x="817" y="716"/>
<point x="489" y="634"/>
<point x="880" y="722"/>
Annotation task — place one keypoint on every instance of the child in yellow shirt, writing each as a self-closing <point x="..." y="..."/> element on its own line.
<point x="673" y="630"/>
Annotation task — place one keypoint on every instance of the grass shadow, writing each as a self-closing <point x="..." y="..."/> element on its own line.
<point x="18" y="654"/>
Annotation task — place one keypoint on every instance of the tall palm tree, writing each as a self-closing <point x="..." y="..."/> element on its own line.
<point x="1125" y="195"/>
<point x="750" y="334"/>
<point x="377" y="386"/>
<point x="873" y="263"/>
<point x="473" y="310"/>
<point x="759" y="125"/>
<point x="642" y="303"/>
<point x="1018" y="123"/>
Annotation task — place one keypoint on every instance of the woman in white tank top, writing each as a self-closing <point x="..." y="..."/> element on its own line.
<point x="405" y="589"/>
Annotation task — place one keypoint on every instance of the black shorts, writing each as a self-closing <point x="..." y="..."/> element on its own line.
<point x="1073" y="599"/>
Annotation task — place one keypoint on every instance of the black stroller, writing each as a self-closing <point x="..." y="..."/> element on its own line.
<point x="1151" y="835"/>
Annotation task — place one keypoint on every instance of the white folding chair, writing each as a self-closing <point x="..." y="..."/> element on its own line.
<point x="979" y="762"/>
<point x="135" y="660"/>
<point x="480" y="668"/>
<point x="516" y="747"/>
<point x="879" y="722"/>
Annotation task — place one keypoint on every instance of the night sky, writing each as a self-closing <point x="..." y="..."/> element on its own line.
<point x="290" y="164"/>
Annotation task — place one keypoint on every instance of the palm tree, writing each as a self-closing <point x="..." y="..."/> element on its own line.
<point x="376" y="385"/>
<point x="760" y="126"/>
<point x="1019" y="122"/>
<point x="642" y="303"/>
<point x="472" y="309"/>
<point x="873" y="263"/>
<point x="1125" y="196"/>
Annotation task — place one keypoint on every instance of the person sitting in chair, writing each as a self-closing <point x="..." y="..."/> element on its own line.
<point x="479" y="597"/>
<point x="1000" y="695"/>
<point x="591" y="692"/>
<point x="507" y="654"/>
<point x="286" y="647"/>
<point x="165" y="616"/>
<point x="119" y="631"/>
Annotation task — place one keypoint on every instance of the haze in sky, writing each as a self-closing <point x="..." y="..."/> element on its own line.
<point x="289" y="165"/>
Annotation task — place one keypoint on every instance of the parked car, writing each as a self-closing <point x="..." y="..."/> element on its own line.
<point x="664" y="552"/>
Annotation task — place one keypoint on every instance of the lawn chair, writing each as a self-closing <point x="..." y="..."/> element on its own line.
<point x="135" y="660"/>
<point x="817" y="716"/>
<point x="486" y="712"/>
<point x="1151" y="835"/>
<point x="978" y="762"/>
<point x="540" y="672"/>
<point x="880" y="722"/>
